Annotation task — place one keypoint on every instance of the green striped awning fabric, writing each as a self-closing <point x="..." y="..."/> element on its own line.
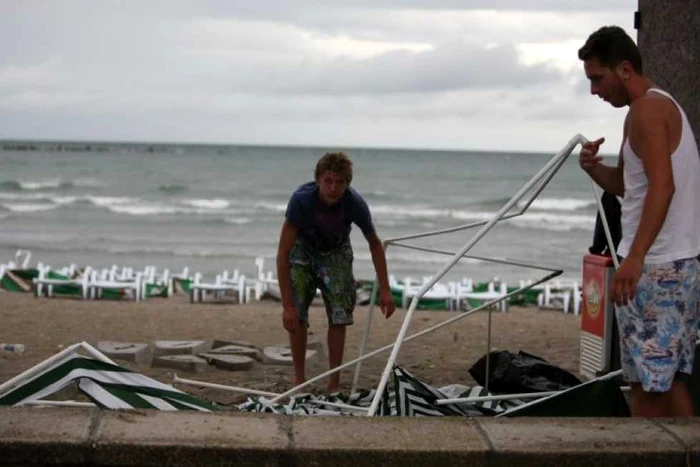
<point x="107" y="385"/>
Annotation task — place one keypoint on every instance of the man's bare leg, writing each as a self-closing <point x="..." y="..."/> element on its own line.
<point x="680" y="403"/>
<point x="297" y="341"/>
<point x="649" y="404"/>
<point x="336" y="345"/>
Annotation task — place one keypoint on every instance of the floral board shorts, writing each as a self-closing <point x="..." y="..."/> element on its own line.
<point x="331" y="273"/>
<point x="658" y="333"/>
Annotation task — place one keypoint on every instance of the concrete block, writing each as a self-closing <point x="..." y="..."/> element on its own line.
<point x="229" y="362"/>
<point x="316" y="345"/>
<point x="31" y="436"/>
<point x="179" y="347"/>
<point x="224" y="342"/>
<point x="352" y="441"/>
<point x="190" y="439"/>
<point x="688" y="431"/>
<point x="189" y="363"/>
<point x="128" y="351"/>
<point x="283" y="356"/>
<point x="580" y="442"/>
<point x="237" y="350"/>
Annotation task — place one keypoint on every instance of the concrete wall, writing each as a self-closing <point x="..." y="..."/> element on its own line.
<point x="669" y="38"/>
<point x="66" y="436"/>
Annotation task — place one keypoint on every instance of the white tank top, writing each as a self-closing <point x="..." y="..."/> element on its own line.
<point x="679" y="236"/>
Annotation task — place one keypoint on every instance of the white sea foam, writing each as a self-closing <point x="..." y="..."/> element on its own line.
<point x="22" y="196"/>
<point x="41" y="184"/>
<point x="276" y="207"/>
<point x="555" y="222"/>
<point x="142" y="209"/>
<point x="107" y="201"/>
<point x="559" y="204"/>
<point x="543" y="220"/>
<point x="63" y="200"/>
<point x="399" y="254"/>
<point x="397" y="211"/>
<point x="23" y="207"/>
<point x="238" y="220"/>
<point x="193" y="252"/>
<point x="207" y="203"/>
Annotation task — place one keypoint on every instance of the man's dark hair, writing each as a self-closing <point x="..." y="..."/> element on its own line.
<point x="336" y="162"/>
<point x="611" y="46"/>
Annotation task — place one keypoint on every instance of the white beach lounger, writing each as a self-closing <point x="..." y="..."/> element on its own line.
<point x="199" y="289"/>
<point x="490" y="295"/>
<point x="44" y="285"/>
<point x="97" y="285"/>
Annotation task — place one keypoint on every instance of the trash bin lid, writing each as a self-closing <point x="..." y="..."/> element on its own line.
<point x="599" y="260"/>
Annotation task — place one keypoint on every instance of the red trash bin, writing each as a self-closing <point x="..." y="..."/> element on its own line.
<point x="598" y="315"/>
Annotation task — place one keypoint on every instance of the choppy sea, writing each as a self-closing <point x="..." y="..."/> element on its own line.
<point x="217" y="207"/>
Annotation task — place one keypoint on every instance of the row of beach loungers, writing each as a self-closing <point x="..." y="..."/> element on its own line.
<point x="139" y="284"/>
<point x="466" y="294"/>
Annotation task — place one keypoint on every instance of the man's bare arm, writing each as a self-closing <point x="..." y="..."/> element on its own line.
<point x="607" y="177"/>
<point x="288" y="237"/>
<point x="379" y="259"/>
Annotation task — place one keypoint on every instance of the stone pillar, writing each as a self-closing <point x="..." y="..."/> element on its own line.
<point x="668" y="36"/>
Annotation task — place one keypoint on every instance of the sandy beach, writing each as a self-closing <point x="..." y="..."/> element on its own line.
<point x="47" y="325"/>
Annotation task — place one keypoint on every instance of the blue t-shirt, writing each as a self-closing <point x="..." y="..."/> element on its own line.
<point x="327" y="227"/>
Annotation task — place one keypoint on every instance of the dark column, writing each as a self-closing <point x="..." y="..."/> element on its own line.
<point x="668" y="35"/>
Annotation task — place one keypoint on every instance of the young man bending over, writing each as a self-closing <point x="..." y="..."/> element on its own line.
<point x="315" y="252"/>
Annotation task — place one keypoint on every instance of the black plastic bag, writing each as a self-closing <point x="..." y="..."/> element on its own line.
<point x="511" y="373"/>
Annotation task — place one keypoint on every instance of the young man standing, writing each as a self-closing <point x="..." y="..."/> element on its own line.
<point x="656" y="288"/>
<point x="315" y="252"/>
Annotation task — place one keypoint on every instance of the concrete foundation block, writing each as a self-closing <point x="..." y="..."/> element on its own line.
<point x="179" y="347"/>
<point x="229" y="362"/>
<point x="283" y="356"/>
<point x="128" y="351"/>
<point x="188" y="363"/>
<point x="237" y="350"/>
<point x="224" y="342"/>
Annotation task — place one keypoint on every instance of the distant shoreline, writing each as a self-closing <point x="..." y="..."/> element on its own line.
<point x="163" y="147"/>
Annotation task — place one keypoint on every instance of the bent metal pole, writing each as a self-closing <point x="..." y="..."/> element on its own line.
<point x="448" y="321"/>
<point x="395" y="241"/>
<point x="563" y="154"/>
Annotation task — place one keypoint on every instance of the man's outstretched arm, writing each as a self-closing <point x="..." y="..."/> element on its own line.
<point x="376" y="248"/>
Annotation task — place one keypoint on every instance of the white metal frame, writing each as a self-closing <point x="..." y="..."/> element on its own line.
<point x="542" y="178"/>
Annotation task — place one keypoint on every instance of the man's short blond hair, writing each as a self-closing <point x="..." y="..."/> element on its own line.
<point x="336" y="162"/>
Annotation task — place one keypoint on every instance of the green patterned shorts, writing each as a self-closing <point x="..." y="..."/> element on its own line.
<point x="331" y="273"/>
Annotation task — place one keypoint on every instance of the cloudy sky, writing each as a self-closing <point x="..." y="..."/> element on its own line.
<point x="452" y="74"/>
